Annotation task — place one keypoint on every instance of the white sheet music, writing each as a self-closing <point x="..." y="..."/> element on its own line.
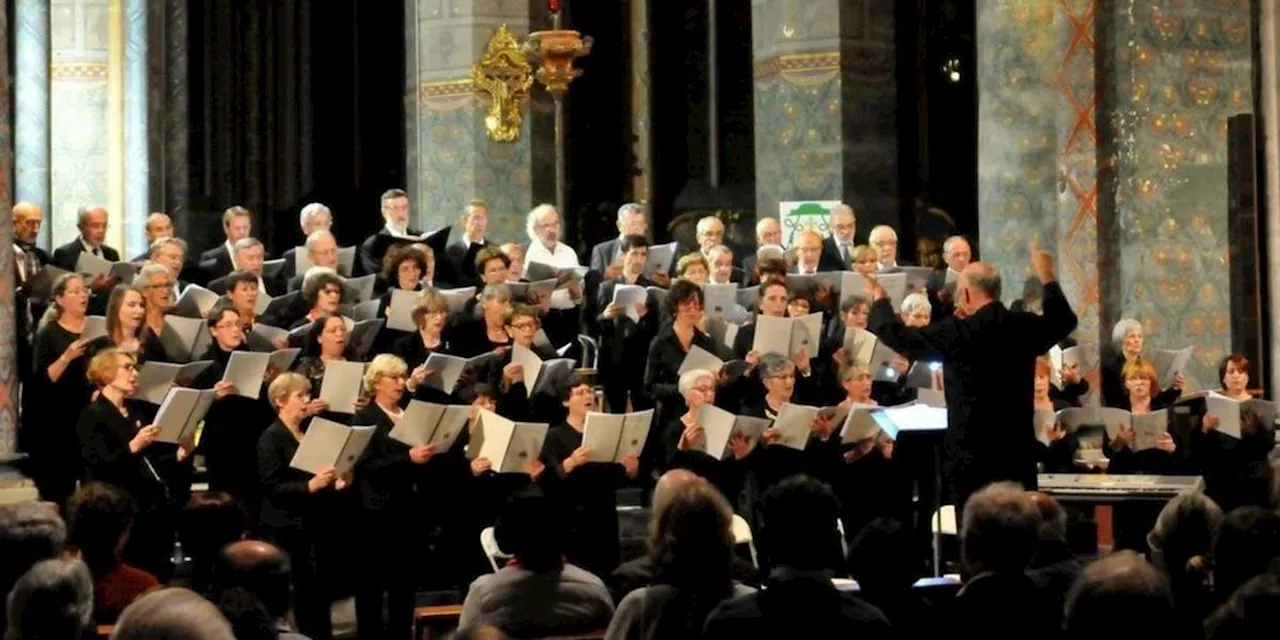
<point x="341" y="385"/>
<point x="400" y="310"/>
<point x="795" y="421"/>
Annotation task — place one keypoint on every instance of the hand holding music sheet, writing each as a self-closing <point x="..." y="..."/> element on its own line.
<point x="341" y="385"/>
<point x="628" y="296"/>
<point x="329" y="444"/>
<point x="508" y="445"/>
<point x="246" y="369"/>
<point x="719" y="426"/>
<point x="539" y="375"/>
<point x="181" y="413"/>
<point x="660" y="259"/>
<point x="1231" y="414"/>
<point x="1170" y="364"/>
<point x="1147" y="427"/>
<point x="613" y="436"/>
<point x="425" y="423"/>
<point x="795" y="422"/>
<point x="860" y="346"/>
<point x="1043" y="422"/>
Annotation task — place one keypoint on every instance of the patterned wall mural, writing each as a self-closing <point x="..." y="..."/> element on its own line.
<point x="78" y="115"/>
<point x="825" y="99"/>
<point x="1182" y="68"/>
<point x="450" y="158"/>
<point x="1153" y="245"/>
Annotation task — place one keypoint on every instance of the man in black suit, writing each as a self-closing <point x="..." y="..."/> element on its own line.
<point x="159" y="226"/>
<point x="941" y="287"/>
<point x="988" y="355"/>
<point x="322" y="251"/>
<point x="28" y="260"/>
<point x="219" y="261"/>
<point x="606" y="256"/>
<point x="623" y="339"/>
<point x="837" y="248"/>
<point x="461" y="255"/>
<point x="92" y="223"/>
<point x="396" y="230"/>
<point x="250" y="254"/>
<point x="885" y="241"/>
<point x="313" y="217"/>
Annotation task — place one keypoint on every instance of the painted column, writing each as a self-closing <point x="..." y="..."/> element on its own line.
<point x="825" y="99"/>
<point x="8" y="365"/>
<point x="137" y="162"/>
<point x="176" y="113"/>
<point x="31" y="107"/>
<point x="642" y="147"/>
<point x="78" y="114"/>
<point x="451" y="160"/>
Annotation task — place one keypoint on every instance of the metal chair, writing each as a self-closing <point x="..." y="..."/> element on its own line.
<point x="489" y="542"/>
<point x="742" y="535"/>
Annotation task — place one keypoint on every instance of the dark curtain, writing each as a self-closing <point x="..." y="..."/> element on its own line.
<point x="294" y="101"/>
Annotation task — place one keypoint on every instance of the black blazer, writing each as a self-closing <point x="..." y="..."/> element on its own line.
<point x="149" y="475"/>
<point x="462" y="262"/>
<point x="988" y="361"/>
<point x="65" y="256"/>
<point x="376" y="246"/>
<point x="217" y="262"/>
<point x="602" y="255"/>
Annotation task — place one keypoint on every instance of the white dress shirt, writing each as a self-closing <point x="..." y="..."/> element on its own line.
<point x="97" y="251"/>
<point x="560" y="257"/>
<point x="231" y="251"/>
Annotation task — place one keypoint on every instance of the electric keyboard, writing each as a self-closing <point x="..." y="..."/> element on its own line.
<point x="1101" y="487"/>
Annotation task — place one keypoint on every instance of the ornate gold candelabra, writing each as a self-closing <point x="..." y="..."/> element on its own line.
<point x="505" y="75"/>
<point x="554" y="52"/>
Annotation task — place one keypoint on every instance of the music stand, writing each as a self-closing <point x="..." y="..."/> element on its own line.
<point x="922" y="419"/>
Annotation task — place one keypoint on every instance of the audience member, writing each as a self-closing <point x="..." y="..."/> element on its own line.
<point x="1120" y="597"/>
<point x="53" y="600"/>
<point x="1053" y="568"/>
<point x="691" y="543"/>
<point x="248" y="617"/>
<point x="172" y="613"/>
<point x="29" y="532"/>
<point x="262" y="569"/>
<point x="798" y="599"/>
<point x="209" y="522"/>
<point x="98" y="517"/>
<point x="1247" y="541"/>
<point x="537" y="594"/>
<point x="1180" y="543"/>
<point x="883" y="560"/>
<point x="1253" y="611"/>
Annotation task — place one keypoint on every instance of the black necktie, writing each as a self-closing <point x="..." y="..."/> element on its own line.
<point x="97" y="252"/>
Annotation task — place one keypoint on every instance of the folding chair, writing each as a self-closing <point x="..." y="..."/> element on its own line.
<point x="742" y="535"/>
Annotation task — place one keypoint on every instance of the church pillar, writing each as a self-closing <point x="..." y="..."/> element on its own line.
<point x="825" y="104"/>
<point x="8" y="366"/>
<point x="1102" y="129"/>
<point x="31" y="107"/>
<point x="450" y="158"/>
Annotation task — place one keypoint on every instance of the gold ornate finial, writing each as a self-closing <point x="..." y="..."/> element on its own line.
<point x="505" y="75"/>
<point x="555" y="51"/>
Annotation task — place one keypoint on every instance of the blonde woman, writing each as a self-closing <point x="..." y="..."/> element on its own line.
<point x="297" y="506"/>
<point x="385" y="477"/>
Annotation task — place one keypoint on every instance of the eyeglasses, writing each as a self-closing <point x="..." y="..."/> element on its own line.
<point x="524" y="326"/>
<point x="224" y="325"/>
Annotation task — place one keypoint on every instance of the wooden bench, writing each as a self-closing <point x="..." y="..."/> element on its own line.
<point x="431" y="623"/>
<point x="435" y="621"/>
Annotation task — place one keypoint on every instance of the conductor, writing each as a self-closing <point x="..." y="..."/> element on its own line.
<point x="988" y="354"/>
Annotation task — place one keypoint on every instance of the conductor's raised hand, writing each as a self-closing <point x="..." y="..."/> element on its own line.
<point x="1041" y="262"/>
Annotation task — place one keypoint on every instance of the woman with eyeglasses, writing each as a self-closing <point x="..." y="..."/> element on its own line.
<point x="586" y="491"/>
<point x="299" y="507"/>
<point x="117" y="448"/>
<point x="322" y="293"/>
<point x="402" y="269"/>
<point x="156" y="284"/>
<point x="386" y="476"/>
<point x="686" y="439"/>
<point x="234" y="422"/>
<point x="57" y="392"/>
<point x="507" y="376"/>
<point x="486" y="330"/>
<point x="430" y="315"/>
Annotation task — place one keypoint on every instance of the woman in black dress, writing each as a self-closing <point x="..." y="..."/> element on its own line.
<point x="57" y="392"/>
<point x="430" y="314"/>
<point x="296" y="504"/>
<point x="118" y="449"/>
<point x="385" y="478"/>
<point x="586" y="492"/>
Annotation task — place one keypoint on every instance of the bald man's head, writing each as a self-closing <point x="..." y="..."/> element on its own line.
<point x="261" y="568"/>
<point x="1119" y="596"/>
<point x="26" y="221"/>
<point x="668" y="484"/>
<point x="977" y="285"/>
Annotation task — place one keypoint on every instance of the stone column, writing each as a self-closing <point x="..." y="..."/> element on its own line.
<point x="78" y="116"/>
<point x="1127" y="186"/>
<point x="31" y="107"/>
<point x="8" y="366"/>
<point x="450" y="159"/>
<point x="825" y="104"/>
<point x="176" y="113"/>
<point x="1269" y="44"/>
<point x="137" y="149"/>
